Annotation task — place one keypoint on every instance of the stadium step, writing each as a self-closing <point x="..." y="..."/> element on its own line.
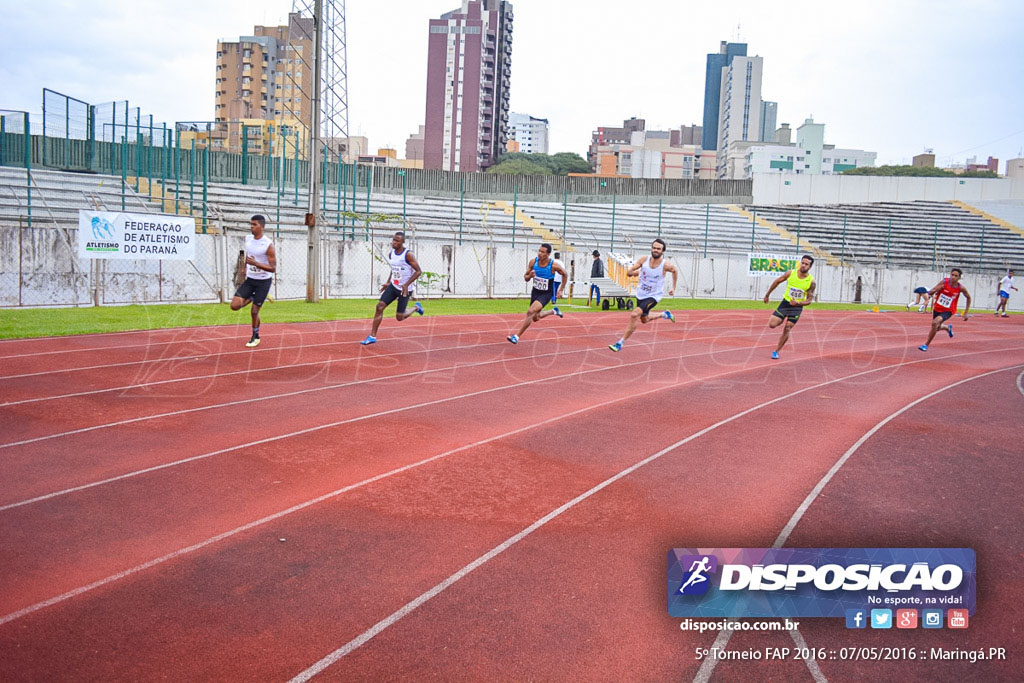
<point x="786" y="235"/>
<point x="528" y="221"/>
<point x="989" y="217"/>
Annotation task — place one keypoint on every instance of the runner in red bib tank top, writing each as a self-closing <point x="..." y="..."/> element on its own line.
<point x="945" y="295"/>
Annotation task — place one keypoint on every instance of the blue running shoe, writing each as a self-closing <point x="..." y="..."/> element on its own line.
<point x="923" y="347"/>
<point x="419" y="308"/>
<point x="949" y="328"/>
<point x="667" y="315"/>
<point x="775" y="355"/>
<point x="514" y="338"/>
<point x="370" y="339"/>
<point x="554" y="309"/>
<point x="617" y="346"/>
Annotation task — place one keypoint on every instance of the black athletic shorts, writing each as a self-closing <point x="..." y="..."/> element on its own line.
<point x="788" y="310"/>
<point x="646" y="305"/>
<point x="392" y="293"/>
<point x="541" y="295"/>
<point x="254" y="290"/>
<point x="945" y="315"/>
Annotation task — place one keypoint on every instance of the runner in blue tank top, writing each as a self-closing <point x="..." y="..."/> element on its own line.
<point x="542" y="271"/>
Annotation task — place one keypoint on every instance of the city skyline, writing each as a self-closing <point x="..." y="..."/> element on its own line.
<point x="898" y="78"/>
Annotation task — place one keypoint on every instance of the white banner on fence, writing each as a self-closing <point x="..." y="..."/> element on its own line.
<point x="109" y="235"/>
<point x="760" y="265"/>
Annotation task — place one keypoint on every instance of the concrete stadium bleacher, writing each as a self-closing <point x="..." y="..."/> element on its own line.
<point x="683" y="226"/>
<point x="919" y="234"/>
<point x="917" y="227"/>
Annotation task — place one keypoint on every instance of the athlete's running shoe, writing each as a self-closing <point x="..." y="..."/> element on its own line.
<point x="514" y="338"/>
<point x="370" y="339"/>
<point x="617" y="346"/>
<point x="949" y="328"/>
<point x="419" y="308"/>
<point x="923" y="347"/>
<point x="667" y="315"/>
<point x="775" y="355"/>
<point x="253" y="342"/>
<point x="1005" y="315"/>
<point x="554" y="309"/>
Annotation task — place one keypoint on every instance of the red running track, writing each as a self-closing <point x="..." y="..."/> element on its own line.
<point x="446" y="504"/>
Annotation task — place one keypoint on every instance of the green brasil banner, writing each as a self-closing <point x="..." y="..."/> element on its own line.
<point x="770" y="264"/>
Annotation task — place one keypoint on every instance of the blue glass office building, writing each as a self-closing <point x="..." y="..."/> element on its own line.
<point x="713" y="89"/>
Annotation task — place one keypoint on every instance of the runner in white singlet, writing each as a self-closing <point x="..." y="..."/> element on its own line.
<point x="260" y="265"/>
<point x="650" y="290"/>
<point x="404" y="269"/>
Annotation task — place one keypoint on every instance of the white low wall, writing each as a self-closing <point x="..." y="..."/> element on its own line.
<point x="772" y="188"/>
<point x="39" y="268"/>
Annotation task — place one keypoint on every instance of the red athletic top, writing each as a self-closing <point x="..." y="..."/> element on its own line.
<point x="948" y="297"/>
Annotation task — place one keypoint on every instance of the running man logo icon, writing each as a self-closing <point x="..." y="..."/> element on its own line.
<point x="102" y="228"/>
<point x="696" y="581"/>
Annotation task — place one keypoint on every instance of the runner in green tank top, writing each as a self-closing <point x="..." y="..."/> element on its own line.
<point x="799" y="293"/>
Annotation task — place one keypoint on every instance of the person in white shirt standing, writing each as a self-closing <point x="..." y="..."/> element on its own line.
<point x="1005" y="285"/>
<point x="260" y="265"/>
<point x="651" y="288"/>
<point x="404" y="271"/>
<point x="558" y="277"/>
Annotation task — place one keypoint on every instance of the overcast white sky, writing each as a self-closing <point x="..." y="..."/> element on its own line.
<point x="889" y="76"/>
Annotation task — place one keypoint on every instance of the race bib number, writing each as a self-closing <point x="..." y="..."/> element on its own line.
<point x="540" y="284"/>
<point x="796" y="294"/>
<point x="396" y="276"/>
<point x="945" y="300"/>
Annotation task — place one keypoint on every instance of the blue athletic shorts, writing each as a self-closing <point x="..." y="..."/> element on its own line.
<point x="1004" y="295"/>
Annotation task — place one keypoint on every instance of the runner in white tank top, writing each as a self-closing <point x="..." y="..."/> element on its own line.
<point x="650" y="290"/>
<point x="404" y="269"/>
<point x="260" y="265"/>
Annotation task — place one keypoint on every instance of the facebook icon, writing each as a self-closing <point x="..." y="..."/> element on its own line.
<point x="856" y="618"/>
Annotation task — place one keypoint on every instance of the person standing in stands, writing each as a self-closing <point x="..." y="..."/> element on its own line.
<point x="596" y="271"/>
<point x="558" y="279"/>
<point x="946" y="294"/>
<point x="260" y="265"/>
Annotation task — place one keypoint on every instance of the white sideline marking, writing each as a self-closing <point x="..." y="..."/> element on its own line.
<point x="412" y="605"/>
<point x="702" y="676"/>
<point x="183" y="551"/>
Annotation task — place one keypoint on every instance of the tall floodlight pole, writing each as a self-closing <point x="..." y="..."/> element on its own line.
<point x="315" y="62"/>
<point x="313" y="251"/>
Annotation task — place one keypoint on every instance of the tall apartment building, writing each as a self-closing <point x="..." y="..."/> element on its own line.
<point x="265" y="77"/>
<point x="530" y="132"/>
<point x="739" y="116"/>
<point x="469" y="59"/>
<point x="712" y="89"/>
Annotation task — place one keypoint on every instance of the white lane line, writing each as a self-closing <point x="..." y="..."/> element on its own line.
<point x="709" y="664"/>
<point x="301" y="506"/>
<point x="591" y="330"/>
<point x="397" y="376"/>
<point x="135" y="473"/>
<point x="1020" y="387"/>
<point x="599" y="318"/>
<point x="287" y="366"/>
<point x="421" y="324"/>
<point x="272" y="349"/>
<point x="423" y="598"/>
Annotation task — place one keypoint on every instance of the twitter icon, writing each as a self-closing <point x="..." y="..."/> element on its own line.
<point x="881" y="618"/>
